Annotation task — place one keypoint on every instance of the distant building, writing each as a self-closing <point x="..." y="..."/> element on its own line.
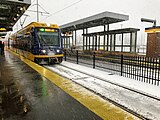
<point x="153" y="42"/>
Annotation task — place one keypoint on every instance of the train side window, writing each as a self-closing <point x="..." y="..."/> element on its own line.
<point x="31" y="40"/>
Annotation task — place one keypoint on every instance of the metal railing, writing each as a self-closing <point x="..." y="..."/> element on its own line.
<point x="143" y="69"/>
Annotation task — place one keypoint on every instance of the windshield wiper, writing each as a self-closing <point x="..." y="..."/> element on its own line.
<point x="42" y="40"/>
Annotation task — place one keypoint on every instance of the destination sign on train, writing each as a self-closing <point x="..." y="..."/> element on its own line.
<point x="47" y="30"/>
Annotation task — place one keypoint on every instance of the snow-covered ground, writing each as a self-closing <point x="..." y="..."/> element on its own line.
<point x="105" y="84"/>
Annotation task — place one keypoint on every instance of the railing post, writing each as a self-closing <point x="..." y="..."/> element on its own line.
<point x="65" y="55"/>
<point x="94" y="60"/>
<point x="77" y="55"/>
<point x="121" y="65"/>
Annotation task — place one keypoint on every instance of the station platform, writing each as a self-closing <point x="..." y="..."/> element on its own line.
<point x="31" y="92"/>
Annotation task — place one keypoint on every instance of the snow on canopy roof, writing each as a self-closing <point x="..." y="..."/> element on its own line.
<point x="103" y="18"/>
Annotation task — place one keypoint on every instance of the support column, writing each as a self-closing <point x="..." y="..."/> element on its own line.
<point x="135" y="42"/>
<point x="72" y="39"/>
<point x="89" y="43"/>
<point x="75" y="38"/>
<point x="67" y="42"/>
<point x="104" y="40"/>
<point x="114" y="42"/>
<point x="83" y="39"/>
<point x="93" y="45"/>
<point x="99" y="42"/>
<point x="111" y="43"/>
<point x="96" y="43"/>
<point x="63" y="40"/>
<point x="108" y="37"/>
<point x="86" y="38"/>
<point x="131" y="42"/>
<point x="122" y="44"/>
<point x="69" y="39"/>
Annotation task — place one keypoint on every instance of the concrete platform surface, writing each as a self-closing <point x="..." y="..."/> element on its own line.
<point x="26" y="94"/>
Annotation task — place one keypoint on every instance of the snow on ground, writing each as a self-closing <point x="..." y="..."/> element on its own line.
<point x="126" y="82"/>
<point x="148" y="107"/>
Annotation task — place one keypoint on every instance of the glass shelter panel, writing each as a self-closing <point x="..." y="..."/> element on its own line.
<point x="133" y="42"/>
<point x="126" y="38"/>
<point x="118" y="39"/>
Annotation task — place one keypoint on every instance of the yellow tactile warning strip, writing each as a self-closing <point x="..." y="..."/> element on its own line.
<point x="93" y="102"/>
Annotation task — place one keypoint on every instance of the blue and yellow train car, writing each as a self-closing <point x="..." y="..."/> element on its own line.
<point x="39" y="42"/>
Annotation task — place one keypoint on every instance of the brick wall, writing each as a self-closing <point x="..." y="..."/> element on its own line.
<point x="153" y="44"/>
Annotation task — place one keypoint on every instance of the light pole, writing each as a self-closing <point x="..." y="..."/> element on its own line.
<point x="37" y="12"/>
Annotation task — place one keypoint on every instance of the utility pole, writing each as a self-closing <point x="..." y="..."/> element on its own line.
<point x="37" y="12"/>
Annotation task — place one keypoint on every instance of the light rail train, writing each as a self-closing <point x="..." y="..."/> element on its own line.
<point x="39" y="42"/>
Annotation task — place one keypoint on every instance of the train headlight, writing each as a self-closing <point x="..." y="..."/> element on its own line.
<point x="43" y="51"/>
<point x="58" y="51"/>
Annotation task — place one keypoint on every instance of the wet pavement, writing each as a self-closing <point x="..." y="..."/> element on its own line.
<point x="25" y="94"/>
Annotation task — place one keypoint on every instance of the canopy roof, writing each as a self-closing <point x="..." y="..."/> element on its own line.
<point x="95" y="20"/>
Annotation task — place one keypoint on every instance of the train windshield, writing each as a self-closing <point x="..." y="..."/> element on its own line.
<point x="49" y="38"/>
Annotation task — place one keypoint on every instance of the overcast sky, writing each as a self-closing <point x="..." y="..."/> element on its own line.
<point x="136" y="9"/>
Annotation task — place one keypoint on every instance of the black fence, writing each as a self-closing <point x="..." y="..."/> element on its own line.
<point x="143" y="69"/>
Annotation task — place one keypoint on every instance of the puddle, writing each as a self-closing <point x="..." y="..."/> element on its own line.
<point x="12" y="101"/>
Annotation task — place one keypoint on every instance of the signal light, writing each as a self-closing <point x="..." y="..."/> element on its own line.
<point x="42" y="29"/>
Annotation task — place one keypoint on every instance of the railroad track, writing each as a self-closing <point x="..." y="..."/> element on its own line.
<point x="109" y="99"/>
<point x="142" y="93"/>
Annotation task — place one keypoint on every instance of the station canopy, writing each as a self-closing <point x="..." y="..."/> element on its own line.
<point x="10" y="12"/>
<point x="117" y="31"/>
<point x="104" y="18"/>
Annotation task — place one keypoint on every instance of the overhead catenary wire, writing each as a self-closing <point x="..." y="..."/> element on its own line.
<point x="37" y="11"/>
<point x="32" y="2"/>
<point x="45" y="12"/>
<point x="63" y="9"/>
<point x="43" y="9"/>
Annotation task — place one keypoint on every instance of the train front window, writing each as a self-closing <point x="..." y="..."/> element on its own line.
<point x="49" y="38"/>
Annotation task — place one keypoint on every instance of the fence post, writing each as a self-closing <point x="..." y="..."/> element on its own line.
<point x="121" y="65"/>
<point x="77" y="55"/>
<point x="94" y="60"/>
<point x="65" y="55"/>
